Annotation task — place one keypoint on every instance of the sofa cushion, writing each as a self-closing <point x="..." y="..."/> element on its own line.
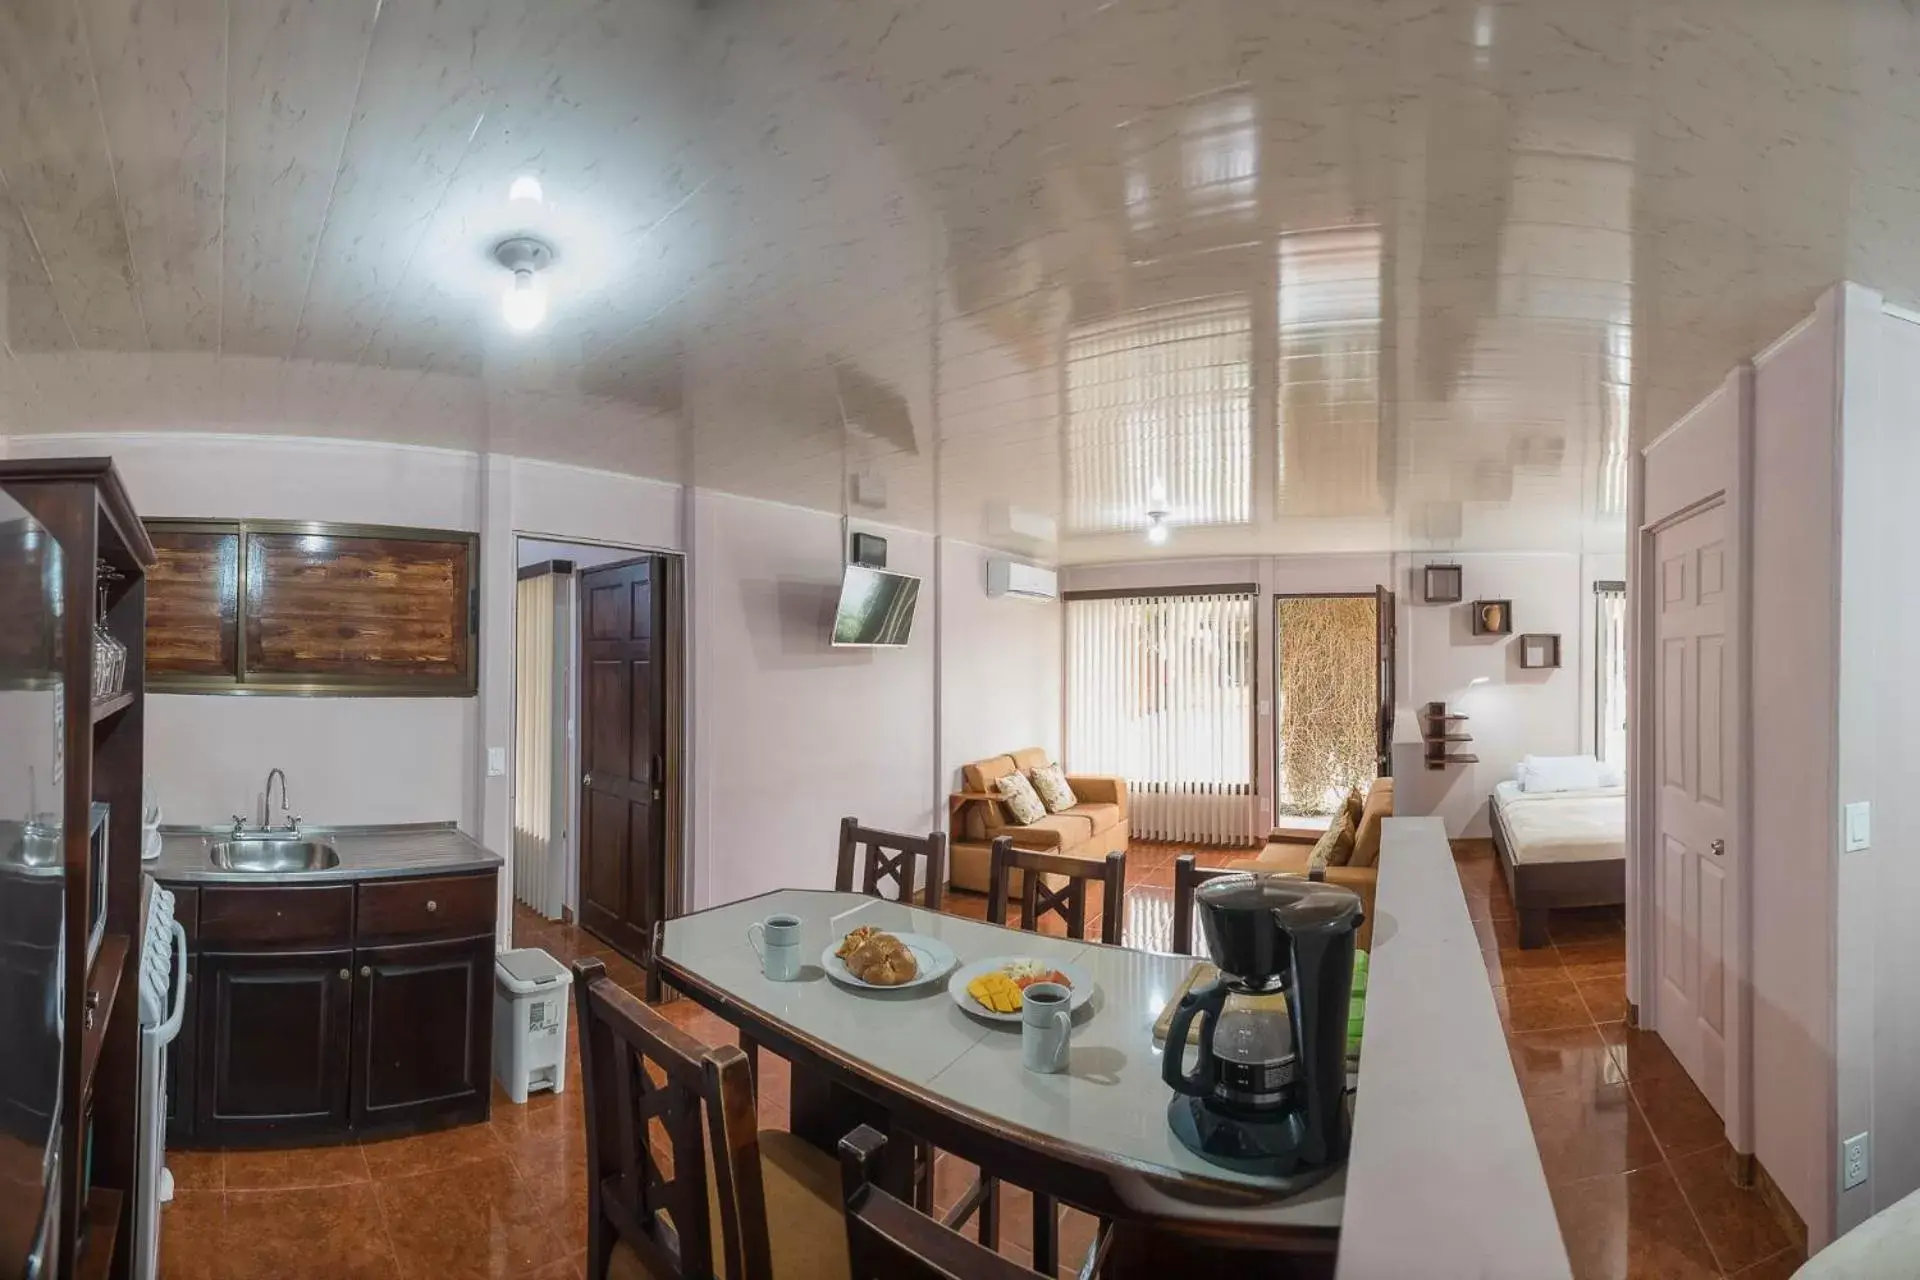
<point x="1352" y="805"/>
<point x="1027" y="759"/>
<point x="1050" y="780"/>
<point x="1335" y="848"/>
<point x="982" y="774"/>
<point x="1055" y="831"/>
<point x="1021" y="801"/>
<point x="1277" y="859"/>
<point x="1104" y="817"/>
<point x="1366" y="839"/>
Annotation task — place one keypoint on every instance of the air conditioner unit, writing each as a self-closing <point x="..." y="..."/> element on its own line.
<point x="1027" y="581"/>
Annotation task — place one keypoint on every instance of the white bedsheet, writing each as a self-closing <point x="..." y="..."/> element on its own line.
<point x="1563" y="826"/>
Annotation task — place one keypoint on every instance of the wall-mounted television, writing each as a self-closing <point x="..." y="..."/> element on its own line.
<point x="875" y="610"/>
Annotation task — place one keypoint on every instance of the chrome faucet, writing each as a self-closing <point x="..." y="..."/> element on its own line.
<point x="286" y="806"/>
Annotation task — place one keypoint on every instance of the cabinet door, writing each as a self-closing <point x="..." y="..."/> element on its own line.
<point x="273" y="1050"/>
<point x="182" y="1054"/>
<point x="422" y="1032"/>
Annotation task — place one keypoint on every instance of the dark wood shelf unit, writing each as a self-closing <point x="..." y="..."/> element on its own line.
<point x="99" y="1230"/>
<point x="106" y="708"/>
<point x="103" y="990"/>
<point x="83" y="506"/>
<point x="1437" y="733"/>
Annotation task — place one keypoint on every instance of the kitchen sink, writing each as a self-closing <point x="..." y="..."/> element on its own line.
<point x="274" y="856"/>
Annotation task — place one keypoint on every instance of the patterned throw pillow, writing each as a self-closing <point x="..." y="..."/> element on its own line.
<point x="1334" y="848"/>
<point x="1050" y="780"/>
<point x="1020" y="800"/>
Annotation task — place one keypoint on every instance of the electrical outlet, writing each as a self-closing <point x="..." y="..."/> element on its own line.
<point x="1853" y="1162"/>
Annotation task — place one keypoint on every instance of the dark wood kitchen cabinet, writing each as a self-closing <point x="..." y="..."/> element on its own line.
<point x="321" y="1013"/>
<point x="419" y="1043"/>
<point x="274" y="1037"/>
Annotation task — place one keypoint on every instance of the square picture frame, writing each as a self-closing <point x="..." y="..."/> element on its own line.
<point x="1493" y="617"/>
<point x="1442" y="584"/>
<point x="1539" y="651"/>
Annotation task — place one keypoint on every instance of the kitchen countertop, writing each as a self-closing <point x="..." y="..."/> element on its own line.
<point x="366" y="853"/>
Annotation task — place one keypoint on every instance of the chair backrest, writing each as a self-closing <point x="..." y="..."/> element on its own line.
<point x="650" y="1190"/>
<point x="1069" y="901"/>
<point x="1188" y="876"/>
<point x="887" y="1239"/>
<point x="869" y="856"/>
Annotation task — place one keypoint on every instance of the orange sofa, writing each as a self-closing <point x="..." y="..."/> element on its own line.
<point x="976" y="817"/>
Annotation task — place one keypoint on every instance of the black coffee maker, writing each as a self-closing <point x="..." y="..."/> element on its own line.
<point x="1265" y="1097"/>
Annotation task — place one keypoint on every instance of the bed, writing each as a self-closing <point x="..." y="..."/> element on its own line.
<point x="1560" y="849"/>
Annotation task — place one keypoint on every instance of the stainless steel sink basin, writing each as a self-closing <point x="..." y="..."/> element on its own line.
<point x="269" y="857"/>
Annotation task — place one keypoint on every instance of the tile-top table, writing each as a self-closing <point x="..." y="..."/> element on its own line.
<point x="1095" y="1135"/>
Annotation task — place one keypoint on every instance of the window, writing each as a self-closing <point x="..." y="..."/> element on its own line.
<point x="1160" y="691"/>
<point x="1159" y="417"/>
<point x="1610" y="672"/>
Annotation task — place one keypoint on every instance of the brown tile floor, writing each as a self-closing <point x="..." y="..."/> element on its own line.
<point x="1634" y="1155"/>
<point x="1632" y="1151"/>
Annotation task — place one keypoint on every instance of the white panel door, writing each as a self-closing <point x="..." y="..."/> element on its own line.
<point x="1693" y="898"/>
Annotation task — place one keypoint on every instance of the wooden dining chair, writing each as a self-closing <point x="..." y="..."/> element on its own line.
<point x="1188" y="876"/>
<point x="1069" y="901"/>
<point x="712" y="1194"/>
<point x="889" y="1240"/>
<point x="869" y="857"/>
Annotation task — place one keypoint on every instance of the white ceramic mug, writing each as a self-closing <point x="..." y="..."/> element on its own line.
<point x="778" y="946"/>
<point x="1046" y="1024"/>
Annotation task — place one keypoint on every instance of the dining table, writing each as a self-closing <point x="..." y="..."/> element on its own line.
<point x="913" y="1060"/>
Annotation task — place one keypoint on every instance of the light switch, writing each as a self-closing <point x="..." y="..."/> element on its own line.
<point x="496" y="762"/>
<point x="1859" y="826"/>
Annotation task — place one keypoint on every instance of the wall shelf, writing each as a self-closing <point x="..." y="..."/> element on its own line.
<point x="1493" y="617"/>
<point x="1539" y="651"/>
<point x="108" y="707"/>
<point x="1438" y="733"/>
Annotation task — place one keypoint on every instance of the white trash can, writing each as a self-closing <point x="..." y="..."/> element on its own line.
<point x="530" y="1021"/>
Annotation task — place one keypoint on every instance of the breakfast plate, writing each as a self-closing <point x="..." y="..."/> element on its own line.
<point x="932" y="957"/>
<point x="1077" y="978"/>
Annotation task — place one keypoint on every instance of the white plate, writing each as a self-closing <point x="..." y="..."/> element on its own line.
<point x="932" y="955"/>
<point x="1083" y="985"/>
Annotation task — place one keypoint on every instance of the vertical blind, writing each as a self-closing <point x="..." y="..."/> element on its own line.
<point x="1160" y="692"/>
<point x="1159" y="417"/>
<point x="1610" y="672"/>
<point x="539" y="762"/>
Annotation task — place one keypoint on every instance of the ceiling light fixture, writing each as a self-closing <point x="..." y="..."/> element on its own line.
<point x="525" y="304"/>
<point x="1157" y="528"/>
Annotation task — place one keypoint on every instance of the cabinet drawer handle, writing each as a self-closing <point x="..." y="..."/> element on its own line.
<point x="366" y="971"/>
<point x="345" y="976"/>
<point x="432" y="905"/>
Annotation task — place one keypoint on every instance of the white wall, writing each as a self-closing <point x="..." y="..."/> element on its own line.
<point x="1000" y="667"/>
<point x="1793" y="660"/>
<point x="348" y="760"/>
<point x="790" y="733"/>
<point x="1513" y="712"/>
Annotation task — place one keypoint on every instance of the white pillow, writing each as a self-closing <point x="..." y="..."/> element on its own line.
<point x="1612" y="775"/>
<point x="1559" y="773"/>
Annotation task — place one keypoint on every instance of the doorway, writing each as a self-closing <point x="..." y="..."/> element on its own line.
<point x="599" y="765"/>
<point x="1333" y="704"/>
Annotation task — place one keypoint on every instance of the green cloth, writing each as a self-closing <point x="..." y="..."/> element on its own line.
<point x="1357" y="1005"/>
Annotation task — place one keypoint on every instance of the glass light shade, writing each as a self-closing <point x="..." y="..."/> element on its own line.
<point x="525" y="303"/>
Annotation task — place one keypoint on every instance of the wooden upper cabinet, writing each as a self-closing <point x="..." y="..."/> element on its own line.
<point x="193" y="602"/>
<point x="313" y="608"/>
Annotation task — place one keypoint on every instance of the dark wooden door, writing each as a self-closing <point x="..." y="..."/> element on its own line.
<point x="622" y="731"/>
<point x="1385" y="634"/>
<point x="422" y="1032"/>
<point x="274" y="1035"/>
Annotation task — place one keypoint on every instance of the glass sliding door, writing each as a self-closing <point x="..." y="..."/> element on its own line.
<point x="1328" y="721"/>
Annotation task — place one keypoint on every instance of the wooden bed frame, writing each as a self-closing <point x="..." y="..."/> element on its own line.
<point x="1540" y="887"/>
